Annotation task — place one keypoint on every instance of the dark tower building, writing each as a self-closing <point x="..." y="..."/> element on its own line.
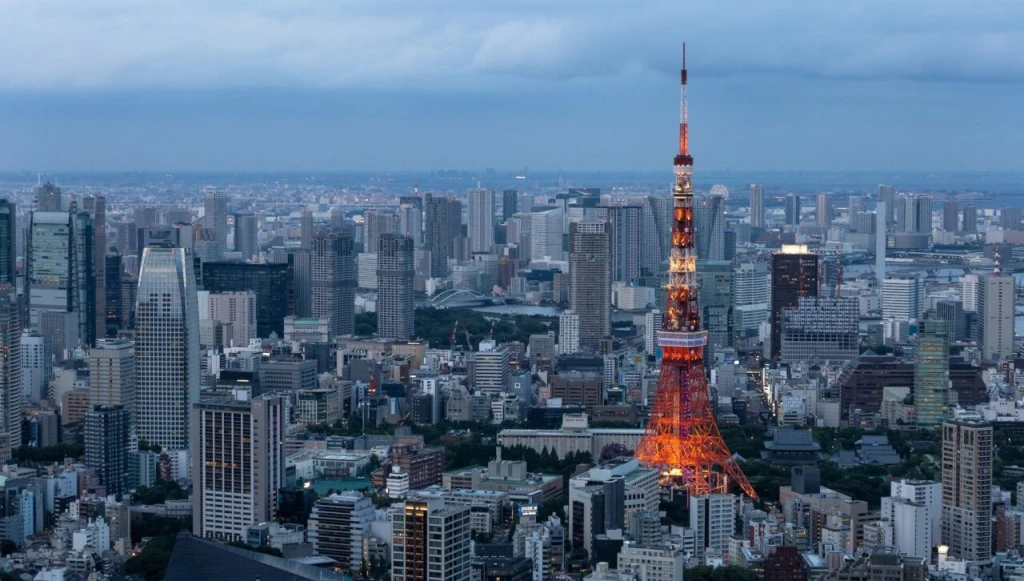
<point x="590" y="279"/>
<point x="106" y="446"/>
<point x="96" y="206"/>
<point x="785" y="564"/>
<point x="509" y="204"/>
<point x="794" y="275"/>
<point x="442" y="224"/>
<point x="114" y="276"/>
<point x="8" y="242"/>
<point x="270" y="282"/>
<point x="333" y="276"/>
<point x="950" y="215"/>
<point x="792" y="210"/>
<point x="970" y="218"/>
<point x="247" y="235"/>
<point x="395" y="270"/>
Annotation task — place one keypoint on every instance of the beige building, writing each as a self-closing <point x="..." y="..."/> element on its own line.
<point x="967" y="488"/>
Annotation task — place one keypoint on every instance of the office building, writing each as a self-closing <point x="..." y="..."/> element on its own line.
<point x="338" y="526"/>
<point x="306" y="230"/>
<point x="970" y="285"/>
<point x="887" y="196"/>
<point x="821" y="329"/>
<point x="1009" y="218"/>
<point x="792" y="210"/>
<point x="757" y="205"/>
<point x="287" y="375"/>
<point x="395" y="272"/>
<point x="950" y="215"/>
<point x="167" y="359"/>
<point x="237" y="463"/>
<point x="823" y="210"/>
<point x="931" y="373"/>
<point x="489" y="370"/>
<point x="967" y="453"/>
<point x="653" y="322"/>
<point x="970" y="219"/>
<point x="625" y="238"/>
<point x="10" y="371"/>
<point x="107" y="430"/>
<point x="509" y="204"/>
<point x="96" y="208"/>
<point x="114" y="274"/>
<point x="713" y="519"/>
<point x="333" y="280"/>
<point x="914" y="214"/>
<point x="410" y="219"/>
<point x="794" y="274"/>
<point x="751" y="294"/>
<point x="715" y="300"/>
<point x="271" y="282"/>
<point x="590" y="279"/>
<point x="653" y="563"/>
<point x="785" y="564"/>
<point x="237" y="309"/>
<point x="431" y="542"/>
<point x="709" y="227"/>
<point x="568" y="332"/>
<point x="996" y="316"/>
<point x="112" y="374"/>
<point x="36" y="366"/>
<point x="953" y="313"/>
<point x="59" y="269"/>
<point x="903" y="297"/>
<point x="215" y="216"/>
<point x="48" y="198"/>
<point x="379" y="223"/>
<point x="322" y="405"/>
<point x="442" y="223"/>
<point x="247" y="233"/>
<point x="8" y="242"/>
<point x="480" y="219"/>
<point x="545" y="235"/>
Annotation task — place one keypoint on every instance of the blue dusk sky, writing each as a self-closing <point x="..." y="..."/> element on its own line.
<point x="335" y="85"/>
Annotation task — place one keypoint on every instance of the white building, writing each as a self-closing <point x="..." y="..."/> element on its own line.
<point x="366" y="270"/>
<point x="36" y="366"/>
<point x="969" y="285"/>
<point x="912" y="531"/>
<point x="490" y="368"/>
<point x="652" y="563"/>
<point x="568" y="332"/>
<point x="397" y="484"/>
<point x="927" y="493"/>
<point x="653" y="321"/>
<point x="546" y="235"/>
<point x="638" y="487"/>
<point x="902" y="297"/>
<point x="237" y="309"/>
<point x="713" y="519"/>
<point x="480" y="218"/>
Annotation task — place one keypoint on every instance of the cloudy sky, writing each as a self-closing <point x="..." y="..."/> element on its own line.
<point x="573" y="84"/>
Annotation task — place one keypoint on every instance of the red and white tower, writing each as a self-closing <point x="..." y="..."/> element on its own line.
<point x="682" y="438"/>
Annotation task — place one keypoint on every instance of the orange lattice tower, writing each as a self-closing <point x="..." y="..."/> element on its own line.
<point x="682" y="438"/>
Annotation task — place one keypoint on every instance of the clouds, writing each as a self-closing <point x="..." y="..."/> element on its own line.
<point x="455" y="44"/>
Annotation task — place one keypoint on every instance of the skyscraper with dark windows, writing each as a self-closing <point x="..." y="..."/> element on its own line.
<point x="96" y="207"/>
<point x="270" y="281"/>
<point x="114" y="276"/>
<point x="590" y="279"/>
<point x="970" y="218"/>
<point x="931" y="373"/>
<point x="60" y="275"/>
<point x="709" y="227"/>
<point x="107" y="430"/>
<point x="794" y="275"/>
<point x="442" y="224"/>
<point x="333" y="276"/>
<point x="950" y="215"/>
<point x="509" y="204"/>
<point x="757" y="205"/>
<point x="626" y="225"/>
<point x="395" y="271"/>
<point x="823" y="210"/>
<point x="379" y="223"/>
<point x="8" y="242"/>
<point x="49" y="198"/>
<point x="10" y="371"/>
<point x="306" y="229"/>
<point x="166" y="347"/>
<point x="247" y="235"/>
<point x="792" y="210"/>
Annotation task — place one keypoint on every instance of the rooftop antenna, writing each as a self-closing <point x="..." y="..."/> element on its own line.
<point x="997" y="269"/>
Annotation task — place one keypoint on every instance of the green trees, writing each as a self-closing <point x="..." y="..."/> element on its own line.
<point x="726" y="573"/>
<point x="49" y="453"/>
<point x="161" y="491"/>
<point x="151" y="563"/>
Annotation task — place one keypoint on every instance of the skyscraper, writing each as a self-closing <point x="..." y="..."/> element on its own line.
<point x="8" y="242"/>
<point x="10" y="371"/>
<point x="823" y="211"/>
<point x="1009" y="218"/>
<point x="931" y="373"/>
<point x="410" y="219"/>
<point x="114" y="275"/>
<point x="713" y="518"/>
<point x="715" y="293"/>
<point x="970" y="219"/>
<point x="709" y="227"/>
<point x="887" y="196"/>
<point x="166" y="347"/>
<point x="509" y="204"/>
<point x="36" y="366"/>
<point x="967" y="488"/>
<point x="334" y="280"/>
<point x="544" y="235"/>
<point x="480" y="220"/>
<point x="590" y="279"/>
<point x="442" y="223"/>
<point x="757" y="205"/>
<point x="568" y="332"/>
<point x="821" y="329"/>
<point x="792" y="210"/>
<point x="950" y="215"/>
<point x="626" y="250"/>
<point x="48" y="198"/>
<point x="996" y="316"/>
<point x="107" y="430"/>
<point x="970" y="285"/>
<point x="247" y="232"/>
<point x="379" y="223"/>
<point x="112" y="374"/>
<point x="215" y="216"/>
<point x="395" y="270"/>
<point x="272" y="283"/>
<point x="794" y="275"/>
<point x="306" y="229"/>
<point x="96" y="207"/>
<point x="237" y="463"/>
<point x="431" y="542"/>
<point x="59" y="268"/>
<point x="902" y="297"/>
<point x="914" y="213"/>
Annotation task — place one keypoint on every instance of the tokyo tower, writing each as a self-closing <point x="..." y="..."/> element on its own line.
<point x="682" y="438"/>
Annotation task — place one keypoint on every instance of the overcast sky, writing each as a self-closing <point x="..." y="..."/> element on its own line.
<point x="572" y="84"/>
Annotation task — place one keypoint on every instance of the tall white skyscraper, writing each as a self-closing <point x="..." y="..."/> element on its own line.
<point x="36" y="366"/>
<point x="902" y="297"/>
<point x="237" y="463"/>
<point x="545" y="234"/>
<point x="568" y="332"/>
<point x="969" y="285"/>
<point x="166" y="347"/>
<point x="481" y="220"/>
<point x="996" y="315"/>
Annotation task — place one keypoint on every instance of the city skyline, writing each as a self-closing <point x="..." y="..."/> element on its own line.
<point x="325" y="87"/>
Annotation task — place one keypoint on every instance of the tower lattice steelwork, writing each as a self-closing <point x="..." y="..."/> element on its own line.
<point x="682" y="438"/>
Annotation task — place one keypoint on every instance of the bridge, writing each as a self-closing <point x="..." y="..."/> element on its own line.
<point x="461" y="297"/>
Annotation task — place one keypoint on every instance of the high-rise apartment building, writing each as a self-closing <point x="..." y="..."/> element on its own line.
<point x="167" y="363"/>
<point x="931" y="373"/>
<point x="950" y="215"/>
<point x="903" y="297"/>
<point x="792" y="210"/>
<point x="8" y="242"/>
<point x="926" y="493"/>
<point x="237" y="463"/>
<point x="590" y="279"/>
<point x="967" y="450"/>
<point x="112" y="374"/>
<point x="821" y="329"/>
<point x="1009" y="218"/>
<point x="237" y="309"/>
<point x="107" y="430"/>
<point x="509" y="204"/>
<point x="334" y="280"/>
<point x="996" y="316"/>
<point x="379" y="223"/>
<point x="247" y="233"/>
<point x="10" y="371"/>
<point x="395" y="272"/>
<point x="36" y="366"/>
<point x="709" y="227"/>
<point x="337" y="527"/>
<point x="480" y="220"/>
<point x="306" y="229"/>
<point x="794" y="275"/>
<point x="626" y="223"/>
<point x="442" y="224"/>
<point x="59" y="269"/>
<point x="914" y="213"/>
<point x="653" y="321"/>
<point x="757" y="205"/>
<point x="970" y="285"/>
<point x="887" y="196"/>
<point x="544" y="234"/>
<point x="970" y="218"/>
<point x="568" y="332"/>
<point x="215" y="216"/>
<point x="431" y="542"/>
<point x="410" y="219"/>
